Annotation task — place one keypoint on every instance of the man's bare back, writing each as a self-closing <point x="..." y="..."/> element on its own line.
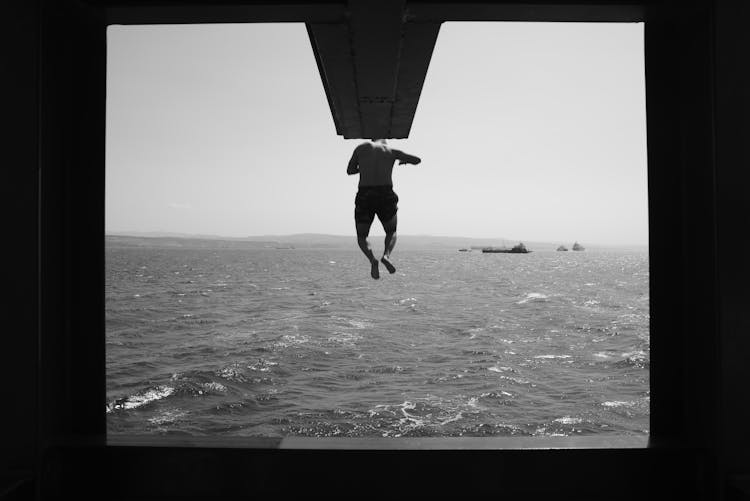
<point x="373" y="162"/>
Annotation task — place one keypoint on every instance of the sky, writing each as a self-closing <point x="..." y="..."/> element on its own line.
<point x="527" y="131"/>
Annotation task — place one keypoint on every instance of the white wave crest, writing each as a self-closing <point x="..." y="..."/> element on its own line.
<point x="500" y="369"/>
<point x="533" y="296"/>
<point x="288" y="340"/>
<point x="168" y="416"/>
<point x="568" y="420"/>
<point x="618" y="403"/>
<point x="142" y="398"/>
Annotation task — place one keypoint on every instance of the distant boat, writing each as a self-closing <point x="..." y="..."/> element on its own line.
<point x="578" y="247"/>
<point x="464" y="250"/>
<point x="516" y="249"/>
<point x="562" y="248"/>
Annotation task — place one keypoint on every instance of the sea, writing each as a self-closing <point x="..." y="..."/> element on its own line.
<point x="267" y="342"/>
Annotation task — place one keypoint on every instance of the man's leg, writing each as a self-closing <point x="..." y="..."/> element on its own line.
<point x="390" y="242"/>
<point x="363" y="229"/>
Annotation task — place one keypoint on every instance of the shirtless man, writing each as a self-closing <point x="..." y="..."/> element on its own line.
<point x="373" y="161"/>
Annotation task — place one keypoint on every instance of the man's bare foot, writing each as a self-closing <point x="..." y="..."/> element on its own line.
<point x="388" y="265"/>
<point x="374" y="271"/>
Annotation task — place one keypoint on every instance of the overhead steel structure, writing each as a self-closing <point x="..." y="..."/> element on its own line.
<point x="372" y="55"/>
<point x="373" y="66"/>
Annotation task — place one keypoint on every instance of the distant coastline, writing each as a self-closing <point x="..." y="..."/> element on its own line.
<point x="325" y="241"/>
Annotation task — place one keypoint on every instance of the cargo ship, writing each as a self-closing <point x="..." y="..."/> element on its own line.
<point x="516" y="249"/>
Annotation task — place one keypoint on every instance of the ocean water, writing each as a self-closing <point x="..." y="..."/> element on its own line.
<point x="280" y="342"/>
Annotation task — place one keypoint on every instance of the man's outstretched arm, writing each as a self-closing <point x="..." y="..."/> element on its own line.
<point x="353" y="167"/>
<point x="405" y="158"/>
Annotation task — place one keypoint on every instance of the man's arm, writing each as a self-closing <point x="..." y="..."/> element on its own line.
<point x="405" y="158"/>
<point x="353" y="167"/>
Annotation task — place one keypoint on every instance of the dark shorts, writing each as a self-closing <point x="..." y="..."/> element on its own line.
<point x="371" y="200"/>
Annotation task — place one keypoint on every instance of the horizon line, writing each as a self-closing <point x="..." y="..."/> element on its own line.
<point x="176" y="234"/>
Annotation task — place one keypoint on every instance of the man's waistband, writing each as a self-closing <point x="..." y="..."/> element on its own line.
<point x="379" y="187"/>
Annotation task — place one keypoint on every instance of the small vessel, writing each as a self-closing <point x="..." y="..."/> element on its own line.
<point x="578" y="247"/>
<point x="562" y="248"/>
<point x="516" y="249"/>
<point x="464" y="250"/>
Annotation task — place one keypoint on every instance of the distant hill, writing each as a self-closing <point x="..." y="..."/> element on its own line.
<point x="299" y="241"/>
<point x="320" y="241"/>
<point x="187" y="242"/>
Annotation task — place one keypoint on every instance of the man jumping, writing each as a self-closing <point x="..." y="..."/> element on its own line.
<point x="373" y="161"/>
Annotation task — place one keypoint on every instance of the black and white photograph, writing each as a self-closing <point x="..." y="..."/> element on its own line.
<point x="249" y="292"/>
<point x="392" y="249"/>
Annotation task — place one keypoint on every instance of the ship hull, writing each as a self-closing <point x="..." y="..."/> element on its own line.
<point x="509" y="251"/>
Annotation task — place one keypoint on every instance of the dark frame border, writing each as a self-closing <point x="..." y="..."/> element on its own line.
<point x="73" y="455"/>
